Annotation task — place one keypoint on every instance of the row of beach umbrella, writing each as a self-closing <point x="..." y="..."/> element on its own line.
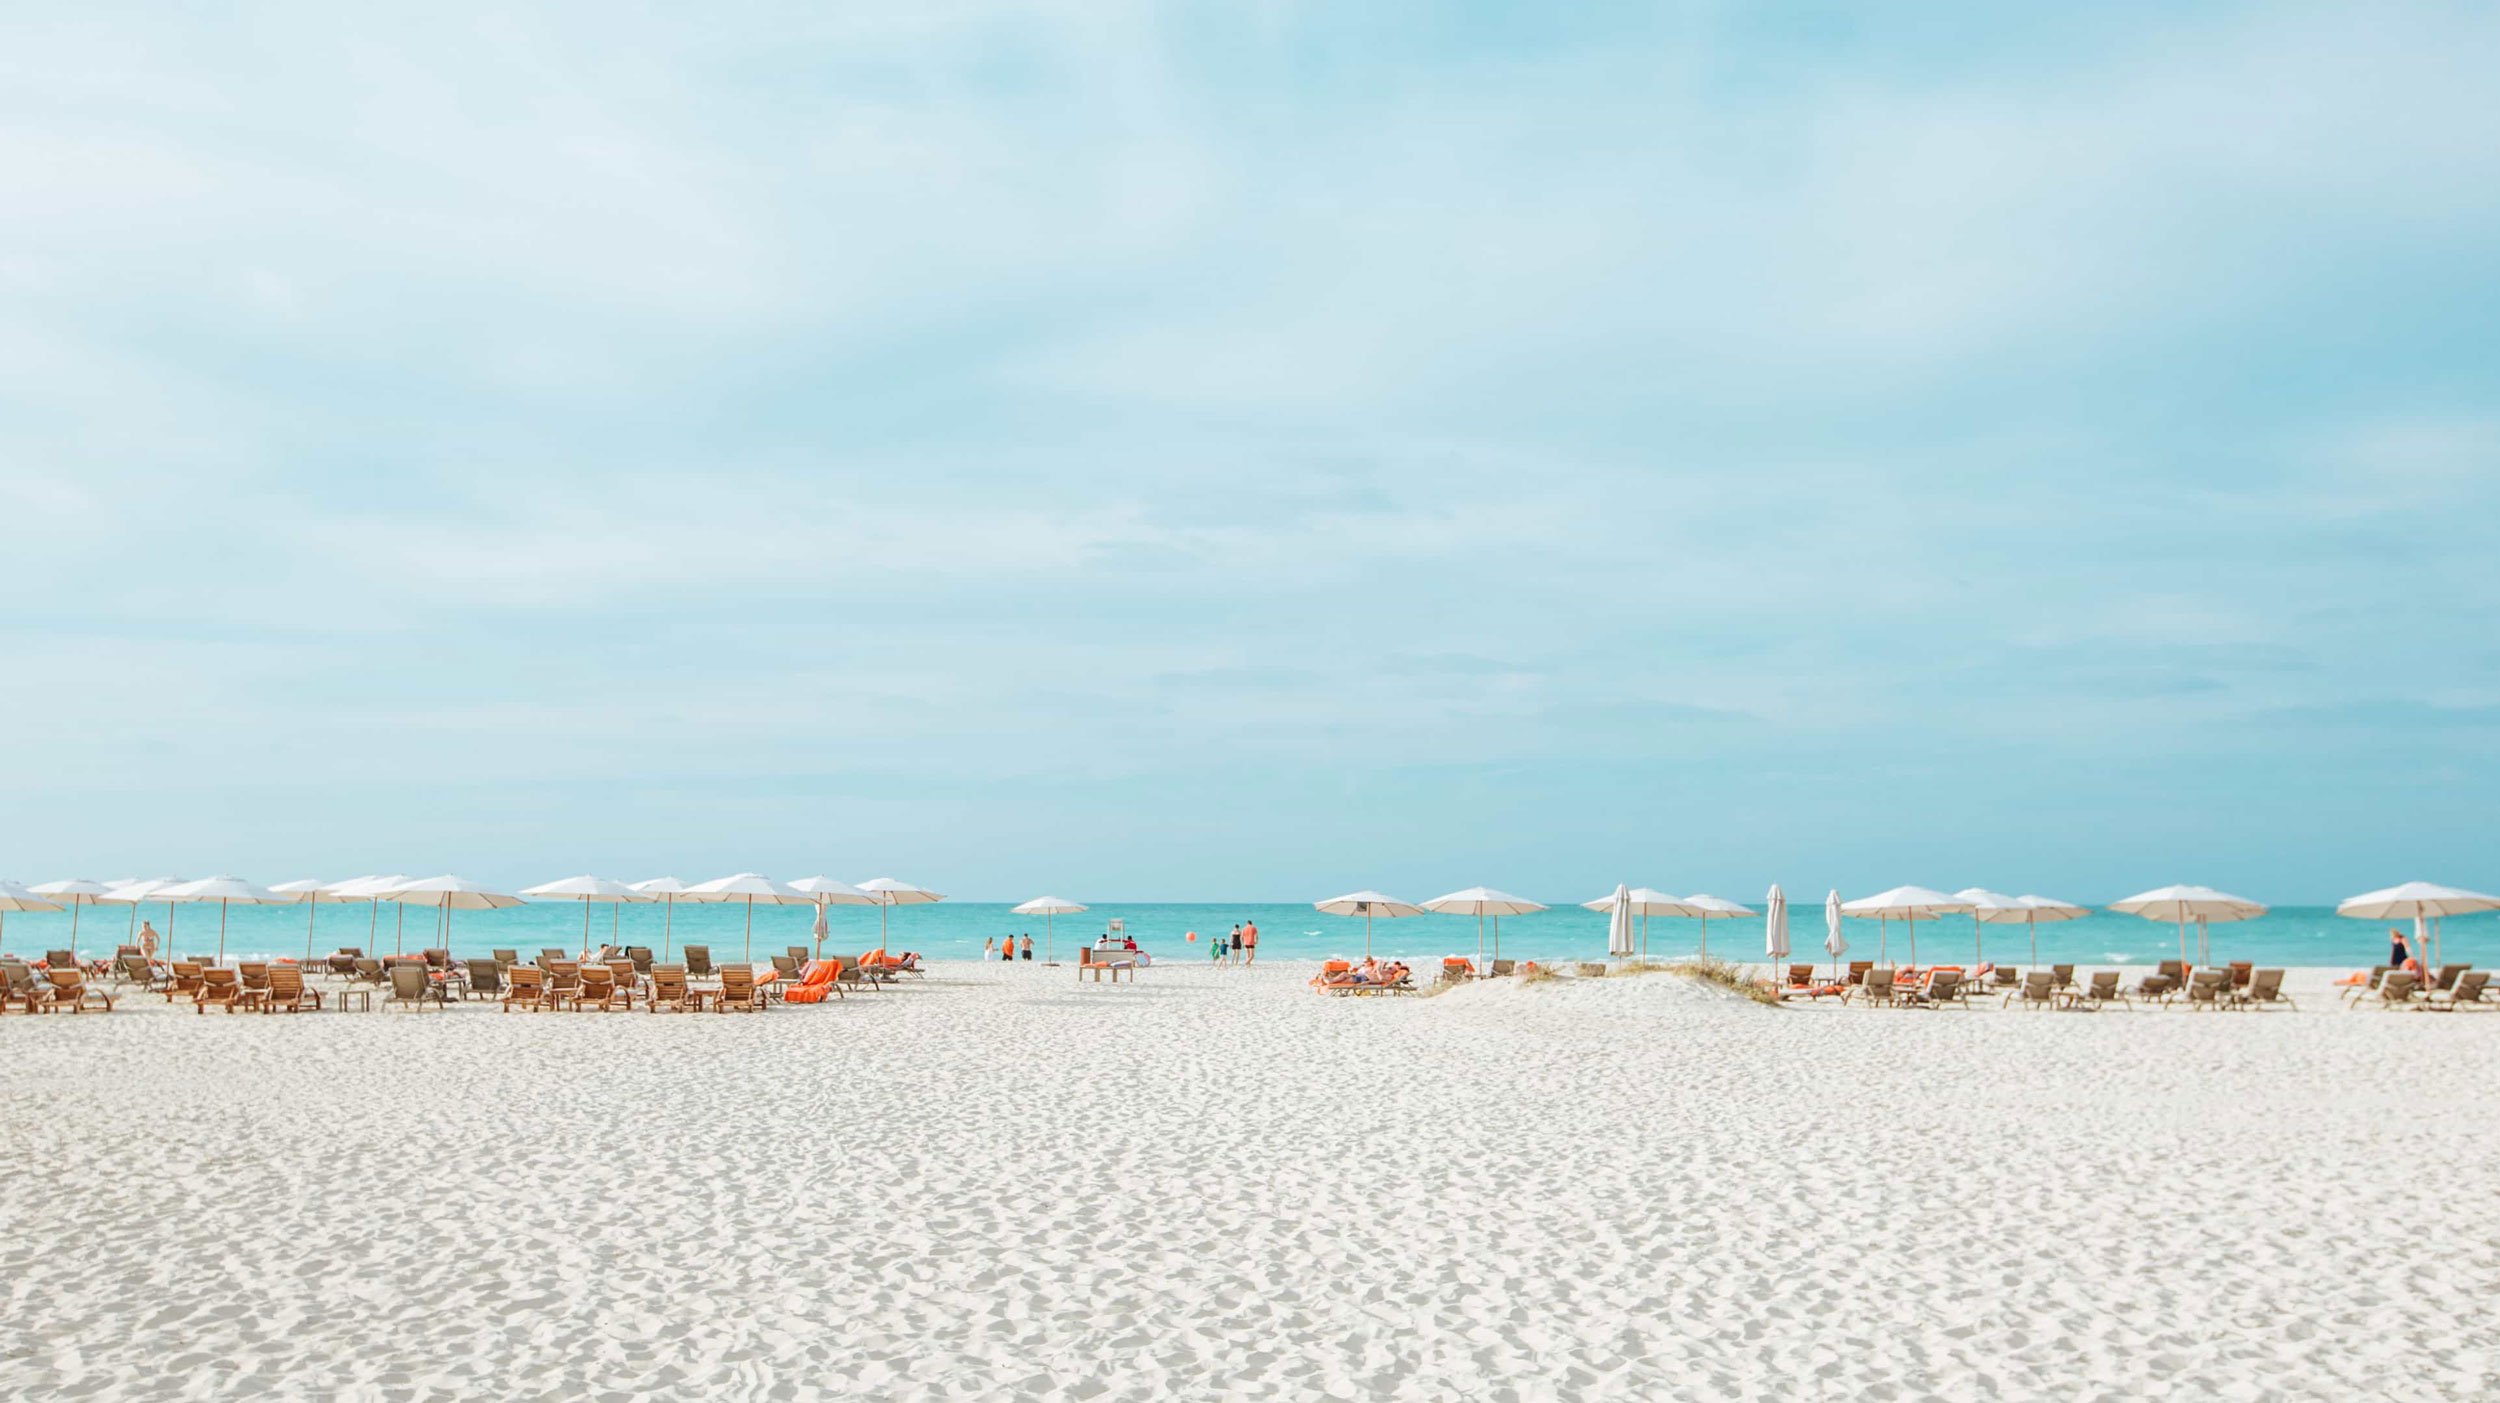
<point x="446" y="894"/>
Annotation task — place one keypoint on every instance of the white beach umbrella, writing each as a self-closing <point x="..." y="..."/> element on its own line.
<point x="2183" y="904"/>
<point x="1986" y="905"/>
<point x="1775" y="930"/>
<point x="1367" y="904"/>
<point x="891" y="893"/>
<point x="589" y="891"/>
<point x="225" y="891"/>
<point x="73" y="893"/>
<point x="1704" y="905"/>
<point x="1835" y="941"/>
<point x="138" y="890"/>
<point x="1618" y="908"/>
<point x="1048" y="908"/>
<point x="314" y="895"/>
<point x="2423" y="901"/>
<point x="753" y="888"/>
<point x="447" y="894"/>
<point x="829" y="893"/>
<point x="369" y="890"/>
<point x="1909" y="904"/>
<point x="664" y="890"/>
<point x="1481" y="902"/>
<point x="16" y="898"/>
<point x="1646" y="904"/>
<point x="2029" y="912"/>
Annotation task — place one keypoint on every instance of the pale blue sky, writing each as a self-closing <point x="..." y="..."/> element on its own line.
<point x="1256" y="451"/>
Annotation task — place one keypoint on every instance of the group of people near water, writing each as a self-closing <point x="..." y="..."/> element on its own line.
<point x="1007" y="949"/>
<point x="1242" y="944"/>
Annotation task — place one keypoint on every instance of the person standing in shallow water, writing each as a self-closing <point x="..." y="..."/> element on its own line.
<point x="989" y="946"/>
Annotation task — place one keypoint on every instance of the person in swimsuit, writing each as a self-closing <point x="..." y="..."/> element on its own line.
<point x="1028" y="947"/>
<point x="1250" y="943"/>
<point x="1236" y="943"/>
<point x="147" y="940"/>
<point x="2397" y="954"/>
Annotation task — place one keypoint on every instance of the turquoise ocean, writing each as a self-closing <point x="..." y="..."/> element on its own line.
<point x="2289" y="936"/>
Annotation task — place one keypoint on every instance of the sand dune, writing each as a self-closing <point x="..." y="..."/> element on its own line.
<point x="1214" y="1184"/>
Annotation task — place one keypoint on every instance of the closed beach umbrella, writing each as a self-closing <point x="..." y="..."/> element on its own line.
<point x="225" y="891"/>
<point x="589" y="891"/>
<point x="2423" y="901"/>
<point x="447" y="894"/>
<point x="2183" y="904"/>
<point x="1704" y="905"/>
<point x="2030" y="912"/>
<point x="1835" y="941"/>
<point x="313" y="895"/>
<point x="1481" y="902"/>
<point x="72" y="893"/>
<point x="1048" y="908"/>
<point x="753" y="888"/>
<point x="16" y="898"/>
<point x="1775" y="929"/>
<point x="1367" y="904"/>
<point x="891" y="893"/>
<point x="664" y="890"/>
<point x="1618" y="908"/>
<point x="1911" y="904"/>
<point x="828" y="893"/>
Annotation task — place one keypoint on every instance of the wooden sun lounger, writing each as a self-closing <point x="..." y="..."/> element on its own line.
<point x="525" y="987"/>
<point x="2467" y="992"/>
<point x="288" y="993"/>
<point x="70" y="990"/>
<point x="737" y="990"/>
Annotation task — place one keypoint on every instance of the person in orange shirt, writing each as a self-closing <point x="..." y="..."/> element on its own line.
<point x="1250" y="942"/>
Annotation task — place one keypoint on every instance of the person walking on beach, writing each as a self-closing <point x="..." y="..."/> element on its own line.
<point x="1233" y="949"/>
<point x="1028" y="945"/>
<point x="1250" y="943"/>
<point x="147" y="940"/>
<point x="1215" y="948"/>
<point x="989" y="947"/>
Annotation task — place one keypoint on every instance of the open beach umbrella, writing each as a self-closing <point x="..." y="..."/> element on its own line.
<point x="891" y="893"/>
<point x="751" y="888"/>
<point x="313" y="894"/>
<point x="225" y="891"/>
<point x="73" y="892"/>
<point x="827" y="892"/>
<point x="1909" y="904"/>
<point x="1481" y="902"/>
<point x="1835" y="941"/>
<point x="2182" y="904"/>
<point x="140" y="889"/>
<point x="1048" y="907"/>
<point x="589" y="891"/>
<point x="664" y="890"/>
<point x="1986" y="905"/>
<point x="447" y="894"/>
<point x="1644" y="903"/>
<point x="2029" y="912"/>
<point x="1775" y="930"/>
<point x="1367" y="904"/>
<point x="369" y="890"/>
<point x="2423" y="901"/>
<point x="1706" y="906"/>
<point x="16" y="898"/>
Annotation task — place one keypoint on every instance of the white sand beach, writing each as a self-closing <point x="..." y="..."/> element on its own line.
<point x="1214" y="1184"/>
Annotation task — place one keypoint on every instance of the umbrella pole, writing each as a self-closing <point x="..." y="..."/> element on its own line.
<point x="312" y="910"/>
<point x="1705" y="935"/>
<point x="2033" y="921"/>
<point x="1481" y="966"/>
<point x="221" y="931"/>
<point x="2183" y="959"/>
<point x="585" y="930"/>
<point x="668" y="920"/>
<point x="74" y="904"/>
<point x="399" y="928"/>
<point x="750" y="931"/>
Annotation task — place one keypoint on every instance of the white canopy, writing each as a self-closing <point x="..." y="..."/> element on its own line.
<point x="1903" y="904"/>
<point x="1481" y="902"/>
<point x="16" y="898"/>
<point x="2392" y="903"/>
<point x="891" y="893"/>
<point x="312" y="893"/>
<point x="1367" y="904"/>
<point x="664" y="890"/>
<point x="225" y="891"/>
<point x="1646" y="902"/>
<point x="2183" y="904"/>
<point x="2426" y="902"/>
<point x="369" y="889"/>
<point x="2030" y="912"/>
<point x="1705" y="906"/>
<point x="72" y="892"/>
<point x="449" y="893"/>
<point x="753" y="888"/>
<point x="825" y="891"/>
<point x="1050" y="909"/>
<point x="589" y="891"/>
<point x="1986" y="906"/>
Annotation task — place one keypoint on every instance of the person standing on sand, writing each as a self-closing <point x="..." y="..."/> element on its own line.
<point x="147" y="940"/>
<point x="1250" y="943"/>
<point x="1233" y="948"/>
<point x="989" y="946"/>
<point x="2397" y="951"/>
<point x="1028" y="945"/>
<point x="1216" y="949"/>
